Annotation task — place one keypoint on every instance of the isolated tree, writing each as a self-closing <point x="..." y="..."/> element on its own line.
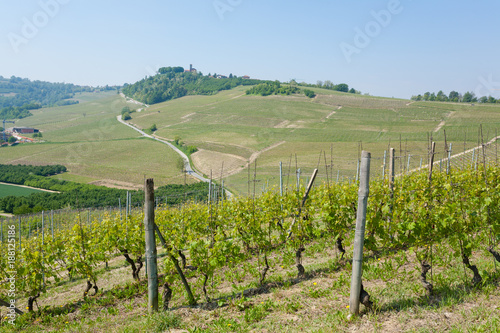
<point x="328" y="84"/>
<point x="12" y="139"/>
<point x="492" y="99"/>
<point x="230" y="75"/>
<point x="441" y="96"/>
<point x="342" y="87"/>
<point x="453" y="94"/>
<point x="352" y="91"/>
<point x="469" y="97"/>
<point x="483" y="99"/>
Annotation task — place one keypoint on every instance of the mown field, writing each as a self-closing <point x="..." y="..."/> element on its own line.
<point x="94" y="146"/>
<point x="233" y="130"/>
<point x="6" y="190"/>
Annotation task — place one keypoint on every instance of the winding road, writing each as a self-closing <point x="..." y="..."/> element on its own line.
<point x="184" y="157"/>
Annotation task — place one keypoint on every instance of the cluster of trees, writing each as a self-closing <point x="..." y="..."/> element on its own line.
<point x="454" y="96"/>
<point x="188" y="150"/>
<point x="151" y="129"/>
<point x="309" y="93"/>
<point x="173" y="82"/>
<point x="342" y="87"/>
<point x="126" y="113"/>
<point x="18" y="95"/>
<point x="77" y="195"/>
<point x="18" y="174"/>
<point x="18" y="112"/>
<point x="272" y="88"/>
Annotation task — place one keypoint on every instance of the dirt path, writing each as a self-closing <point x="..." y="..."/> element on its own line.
<point x="258" y="153"/>
<point x="334" y="112"/>
<point x="442" y="123"/>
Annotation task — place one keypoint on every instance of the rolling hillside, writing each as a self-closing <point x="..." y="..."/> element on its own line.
<point x="233" y="130"/>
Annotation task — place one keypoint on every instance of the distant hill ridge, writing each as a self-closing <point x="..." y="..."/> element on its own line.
<point x="18" y="95"/>
<point x="175" y="82"/>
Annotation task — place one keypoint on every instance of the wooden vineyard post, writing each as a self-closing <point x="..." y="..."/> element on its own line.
<point x="359" y="236"/>
<point x="149" y="225"/>
<point x="431" y="162"/>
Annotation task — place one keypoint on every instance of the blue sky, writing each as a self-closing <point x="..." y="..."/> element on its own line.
<point x="386" y="48"/>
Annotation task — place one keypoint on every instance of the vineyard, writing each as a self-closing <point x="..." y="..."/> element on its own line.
<point x="223" y="253"/>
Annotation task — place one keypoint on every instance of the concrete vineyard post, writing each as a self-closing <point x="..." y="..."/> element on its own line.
<point x="448" y="165"/>
<point x="281" y="179"/>
<point x="383" y="166"/>
<point x="357" y="172"/>
<point x="149" y="226"/>
<point x="359" y="236"/>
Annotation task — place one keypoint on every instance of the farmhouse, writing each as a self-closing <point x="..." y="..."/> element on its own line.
<point x="22" y="130"/>
<point x="246" y="77"/>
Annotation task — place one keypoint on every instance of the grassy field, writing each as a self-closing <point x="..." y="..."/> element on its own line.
<point x="6" y="190"/>
<point x="233" y="130"/>
<point x="94" y="146"/>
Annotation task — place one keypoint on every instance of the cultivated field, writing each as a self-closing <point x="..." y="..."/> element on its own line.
<point x="233" y="130"/>
<point x="90" y="142"/>
<point x="6" y="190"/>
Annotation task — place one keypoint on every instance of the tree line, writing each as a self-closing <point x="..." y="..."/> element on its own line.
<point x="454" y="96"/>
<point x="342" y="87"/>
<point x="77" y="195"/>
<point x="272" y="88"/>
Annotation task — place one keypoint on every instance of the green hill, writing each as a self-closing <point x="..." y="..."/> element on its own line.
<point x="174" y="82"/>
<point x="18" y="96"/>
